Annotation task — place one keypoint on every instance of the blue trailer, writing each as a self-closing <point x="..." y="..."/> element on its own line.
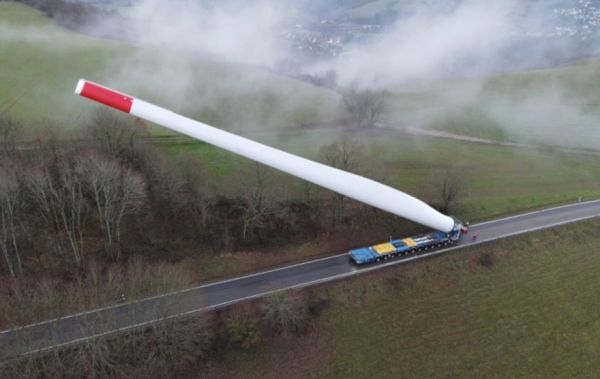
<point x="407" y="246"/>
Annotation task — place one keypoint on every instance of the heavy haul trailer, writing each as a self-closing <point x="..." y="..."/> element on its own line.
<point x="407" y="246"/>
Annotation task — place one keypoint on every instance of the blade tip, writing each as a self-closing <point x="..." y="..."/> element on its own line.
<point x="79" y="87"/>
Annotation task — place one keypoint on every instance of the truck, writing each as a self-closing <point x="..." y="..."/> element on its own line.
<point x="407" y="246"/>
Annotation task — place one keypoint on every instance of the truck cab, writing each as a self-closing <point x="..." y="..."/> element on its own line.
<point x="458" y="230"/>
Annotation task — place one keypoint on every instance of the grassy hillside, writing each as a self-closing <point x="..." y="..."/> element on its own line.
<point x="554" y="106"/>
<point x="532" y="312"/>
<point x="41" y="63"/>
<point x="496" y="179"/>
<point x="371" y="9"/>
<point x="551" y="106"/>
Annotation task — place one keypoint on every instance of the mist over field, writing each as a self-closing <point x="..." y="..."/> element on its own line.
<point x="422" y="43"/>
<point x="240" y="31"/>
<point x="439" y="61"/>
<point x="428" y="46"/>
<point x="110" y="225"/>
<point x="446" y="51"/>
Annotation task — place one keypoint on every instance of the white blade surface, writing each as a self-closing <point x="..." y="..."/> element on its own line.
<point x="357" y="187"/>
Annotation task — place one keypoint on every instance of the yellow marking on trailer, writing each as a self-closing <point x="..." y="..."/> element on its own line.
<point x="384" y="248"/>
<point x="409" y="242"/>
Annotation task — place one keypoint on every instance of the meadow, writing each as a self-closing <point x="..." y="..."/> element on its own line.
<point x="521" y="307"/>
<point x="530" y="311"/>
<point x="41" y="63"/>
<point x="495" y="181"/>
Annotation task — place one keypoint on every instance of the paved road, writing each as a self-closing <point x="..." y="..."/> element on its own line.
<point x="84" y="326"/>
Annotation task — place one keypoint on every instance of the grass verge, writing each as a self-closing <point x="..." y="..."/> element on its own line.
<point x="521" y="307"/>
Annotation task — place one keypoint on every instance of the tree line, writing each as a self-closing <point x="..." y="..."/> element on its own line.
<point x="113" y="194"/>
<point x="173" y="347"/>
<point x="80" y="16"/>
<point x="107" y="216"/>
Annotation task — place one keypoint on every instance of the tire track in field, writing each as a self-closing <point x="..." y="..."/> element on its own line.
<point x="14" y="71"/>
<point x="38" y="78"/>
<point x="42" y="76"/>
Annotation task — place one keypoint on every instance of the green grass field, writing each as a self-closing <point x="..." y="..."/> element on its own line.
<point x="532" y="314"/>
<point x="42" y="62"/>
<point x="40" y="65"/>
<point x="371" y="9"/>
<point x="554" y="106"/>
<point x="497" y="180"/>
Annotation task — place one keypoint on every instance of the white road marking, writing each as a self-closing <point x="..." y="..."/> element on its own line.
<point x="211" y="307"/>
<point x="259" y="273"/>
<point x="96" y="310"/>
<point x="538" y="211"/>
<point x="352" y="271"/>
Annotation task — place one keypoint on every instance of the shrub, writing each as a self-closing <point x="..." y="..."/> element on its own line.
<point x="242" y="329"/>
<point x="286" y="312"/>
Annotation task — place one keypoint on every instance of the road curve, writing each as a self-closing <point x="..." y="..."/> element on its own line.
<point x="84" y="326"/>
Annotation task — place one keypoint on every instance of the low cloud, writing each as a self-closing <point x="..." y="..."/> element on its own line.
<point x="240" y="31"/>
<point x="428" y="46"/>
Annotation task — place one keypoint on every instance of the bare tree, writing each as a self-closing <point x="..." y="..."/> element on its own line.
<point x="58" y="195"/>
<point x="116" y="192"/>
<point x="167" y="189"/>
<point x="73" y="207"/>
<point x="344" y="154"/>
<point x="112" y="132"/>
<point x="195" y="189"/>
<point x="166" y="345"/>
<point x="40" y="188"/>
<point x="49" y="365"/>
<point x="11" y="204"/>
<point x="450" y="187"/>
<point x="364" y="108"/>
<point x="256" y="207"/>
<point x="50" y="140"/>
<point x="28" y="300"/>
<point x="11" y="132"/>
<point x="242" y="327"/>
<point x="286" y="312"/>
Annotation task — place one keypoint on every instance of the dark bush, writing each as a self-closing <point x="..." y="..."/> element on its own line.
<point x="486" y="259"/>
